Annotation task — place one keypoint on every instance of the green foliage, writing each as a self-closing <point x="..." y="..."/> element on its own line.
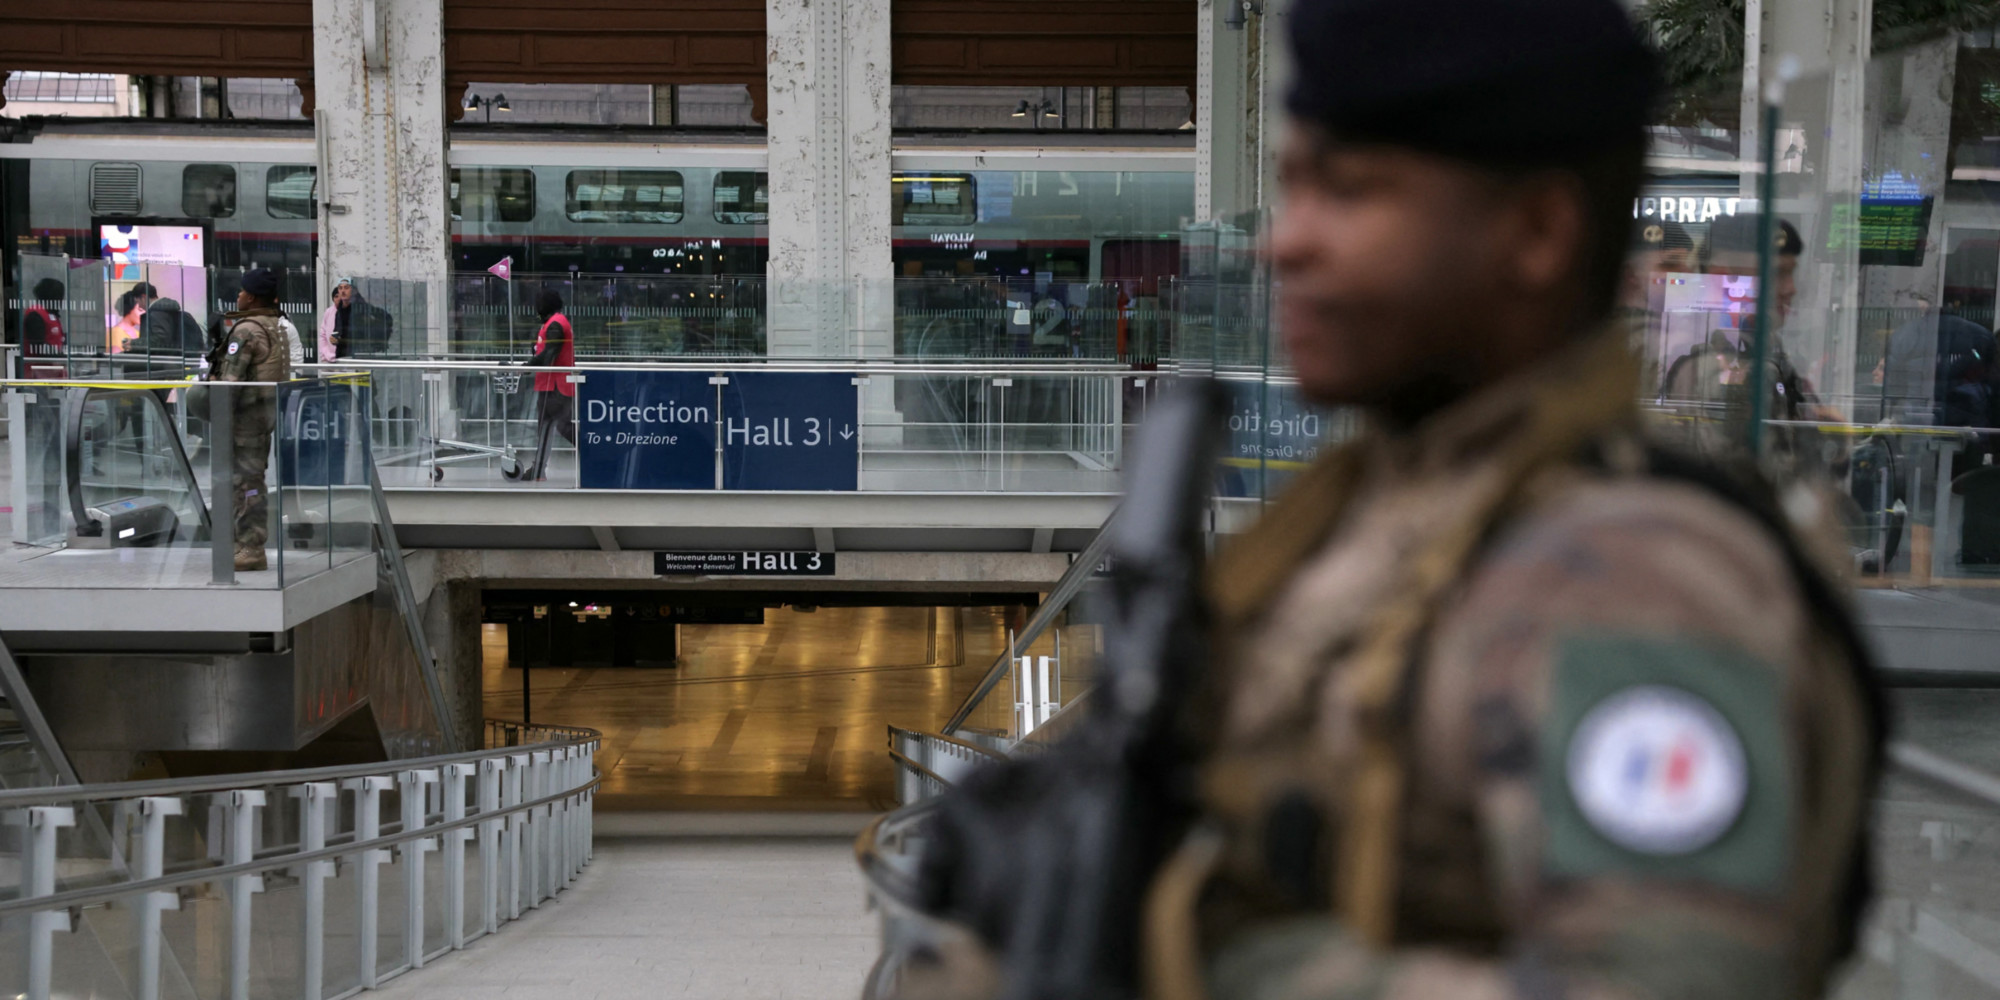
<point x="1701" y="46"/>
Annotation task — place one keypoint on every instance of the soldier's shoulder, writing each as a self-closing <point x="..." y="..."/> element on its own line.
<point x="1643" y="549"/>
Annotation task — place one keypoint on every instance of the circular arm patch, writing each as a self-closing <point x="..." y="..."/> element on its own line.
<point x="1657" y="770"/>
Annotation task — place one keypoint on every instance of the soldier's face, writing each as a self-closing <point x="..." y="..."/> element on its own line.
<point x="243" y="300"/>
<point x="1399" y="270"/>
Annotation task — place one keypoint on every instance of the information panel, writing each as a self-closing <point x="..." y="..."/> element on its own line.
<point x="1272" y="435"/>
<point x="743" y="563"/>
<point x="639" y="430"/>
<point x="790" y="431"/>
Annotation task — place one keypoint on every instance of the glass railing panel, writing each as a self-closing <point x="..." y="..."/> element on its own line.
<point x="37" y="464"/>
<point x="342" y="970"/>
<point x="277" y="946"/>
<point x="349" y="464"/>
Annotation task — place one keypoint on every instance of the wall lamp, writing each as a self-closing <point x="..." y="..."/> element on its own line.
<point x="1046" y="107"/>
<point x="498" y="102"/>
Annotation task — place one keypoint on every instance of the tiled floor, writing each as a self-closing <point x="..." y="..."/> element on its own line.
<point x="718" y="919"/>
<point x="789" y="715"/>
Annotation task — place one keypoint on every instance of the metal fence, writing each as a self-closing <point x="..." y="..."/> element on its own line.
<point x="311" y="883"/>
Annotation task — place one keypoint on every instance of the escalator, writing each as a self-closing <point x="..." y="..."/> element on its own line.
<point x="119" y="510"/>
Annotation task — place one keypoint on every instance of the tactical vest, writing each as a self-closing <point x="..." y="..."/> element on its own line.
<point x="1587" y="424"/>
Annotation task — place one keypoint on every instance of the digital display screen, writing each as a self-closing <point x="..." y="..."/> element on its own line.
<point x="123" y="246"/>
<point x="1694" y="308"/>
<point x="146" y="262"/>
<point x="1893" y="232"/>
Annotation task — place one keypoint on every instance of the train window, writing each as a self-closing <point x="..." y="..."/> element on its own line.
<point x="289" y="192"/>
<point x="208" y="190"/>
<point x="492" y="194"/>
<point x="743" y="197"/>
<point x="624" y="196"/>
<point x="928" y="198"/>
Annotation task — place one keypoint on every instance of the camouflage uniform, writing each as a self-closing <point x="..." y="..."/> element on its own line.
<point x="253" y="350"/>
<point x="1429" y="649"/>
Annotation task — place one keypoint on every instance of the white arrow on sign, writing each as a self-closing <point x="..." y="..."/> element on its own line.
<point x="846" y="432"/>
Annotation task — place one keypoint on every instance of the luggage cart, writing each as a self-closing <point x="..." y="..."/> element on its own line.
<point x="447" y="451"/>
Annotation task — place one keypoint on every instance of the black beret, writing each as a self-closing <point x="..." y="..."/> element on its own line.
<point x="1496" y="82"/>
<point x="1661" y="236"/>
<point x="259" y="281"/>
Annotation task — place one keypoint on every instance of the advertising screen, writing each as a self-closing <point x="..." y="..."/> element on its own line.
<point x="145" y="263"/>
<point x="1694" y="309"/>
<point x="122" y="247"/>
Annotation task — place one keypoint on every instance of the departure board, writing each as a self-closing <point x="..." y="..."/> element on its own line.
<point x="1894" y="231"/>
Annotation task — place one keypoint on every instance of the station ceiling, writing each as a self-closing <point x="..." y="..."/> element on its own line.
<point x="1124" y="43"/>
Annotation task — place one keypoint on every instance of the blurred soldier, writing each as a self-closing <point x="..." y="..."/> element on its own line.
<point x="1707" y="389"/>
<point x="1510" y="702"/>
<point x="252" y="350"/>
<point x="1659" y="249"/>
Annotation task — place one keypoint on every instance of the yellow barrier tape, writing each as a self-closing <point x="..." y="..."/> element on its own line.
<point x="359" y="378"/>
<point x="1269" y="463"/>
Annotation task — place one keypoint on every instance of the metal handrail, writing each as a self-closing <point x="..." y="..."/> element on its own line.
<point x="1071" y="584"/>
<point x="857" y="366"/>
<point x="391" y="550"/>
<point x="899" y="757"/>
<point x="1962" y="778"/>
<point x="955" y="741"/>
<point x="108" y="893"/>
<point x="24" y="797"/>
<point x="868" y="855"/>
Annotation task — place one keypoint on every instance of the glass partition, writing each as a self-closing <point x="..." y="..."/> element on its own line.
<point x="119" y="481"/>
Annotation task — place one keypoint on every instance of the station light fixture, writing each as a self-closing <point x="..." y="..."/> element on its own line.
<point x="1239" y="13"/>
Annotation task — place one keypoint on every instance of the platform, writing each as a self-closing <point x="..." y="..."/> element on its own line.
<point x="169" y="590"/>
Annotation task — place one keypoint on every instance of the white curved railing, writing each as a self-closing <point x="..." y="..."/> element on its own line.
<point x="271" y="884"/>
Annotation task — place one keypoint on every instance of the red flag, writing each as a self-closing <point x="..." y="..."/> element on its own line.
<point x="504" y="270"/>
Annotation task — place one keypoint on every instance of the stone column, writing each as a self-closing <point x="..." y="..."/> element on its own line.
<point x="1240" y="76"/>
<point x="828" y="134"/>
<point x="378" y="69"/>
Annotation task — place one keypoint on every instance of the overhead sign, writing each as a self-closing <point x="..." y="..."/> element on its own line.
<point x="790" y="431"/>
<point x="743" y="563"/>
<point x="646" y="430"/>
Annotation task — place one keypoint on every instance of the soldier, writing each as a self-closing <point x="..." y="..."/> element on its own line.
<point x="252" y="350"/>
<point x="1509" y="701"/>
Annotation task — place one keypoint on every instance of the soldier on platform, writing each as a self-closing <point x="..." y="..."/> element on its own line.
<point x="1511" y="702"/>
<point x="252" y="350"/>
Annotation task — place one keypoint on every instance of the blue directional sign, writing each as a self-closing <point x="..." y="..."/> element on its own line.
<point x="646" y="431"/>
<point x="790" y="431"/>
<point x="318" y="431"/>
<point x="1272" y="435"/>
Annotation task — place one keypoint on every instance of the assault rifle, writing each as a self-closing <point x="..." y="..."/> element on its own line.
<point x="1048" y="858"/>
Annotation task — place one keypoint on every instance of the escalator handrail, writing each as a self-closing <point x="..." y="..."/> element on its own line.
<point x="1071" y="584"/>
<point x="77" y="400"/>
<point x="390" y="551"/>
